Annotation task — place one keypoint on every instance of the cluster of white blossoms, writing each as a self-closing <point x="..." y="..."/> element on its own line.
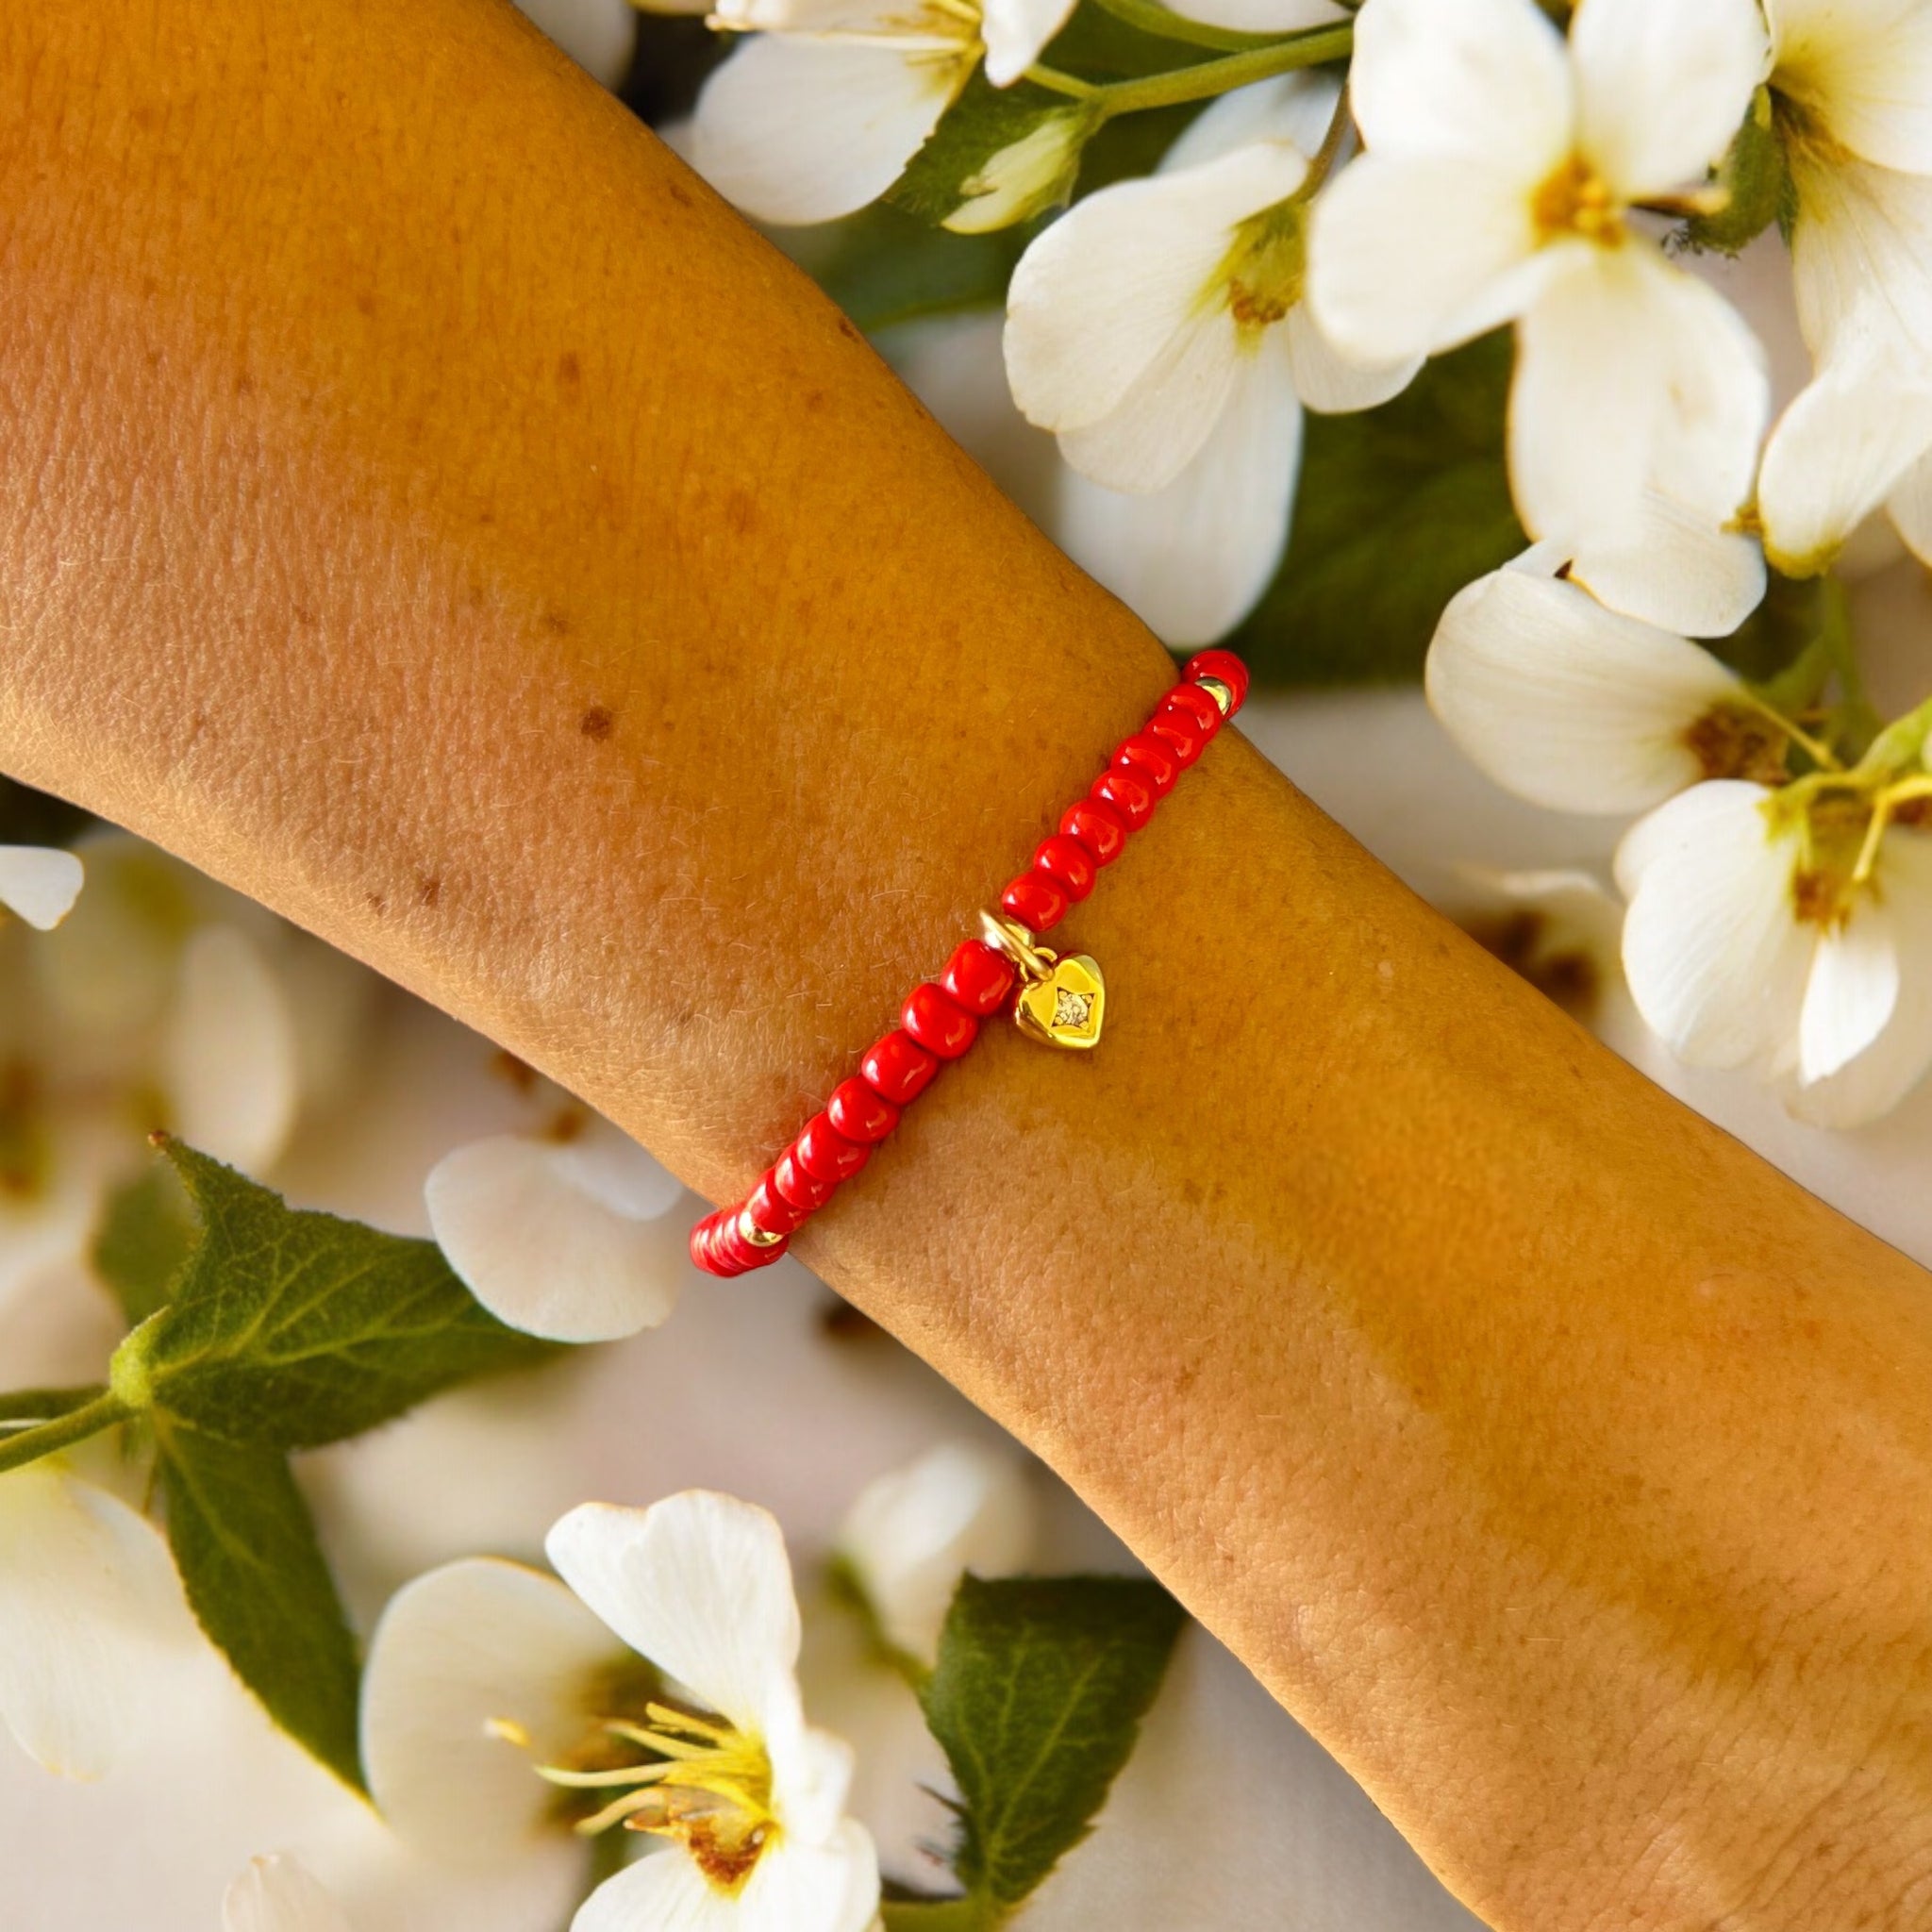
<point x="1366" y="188"/>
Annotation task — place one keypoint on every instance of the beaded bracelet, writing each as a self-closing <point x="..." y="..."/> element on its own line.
<point x="1058" y="999"/>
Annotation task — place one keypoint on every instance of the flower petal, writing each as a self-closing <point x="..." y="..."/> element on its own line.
<point x="1678" y="570"/>
<point x="798" y="131"/>
<point x="90" y="1606"/>
<point x="1296" y="108"/>
<point x="1630" y="376"/>
<point x="1861" y="261"/>
<point x="1166" y="417"/>
<point x="1565" y="703"/>
<point x="1909" y="506"/>
<point x="1096" y="300"/>
<point x="280" y="1894"/>
<point x="914" y="1532"/>
<point x="701" y="1585"/>
<point x="561" y="1241"/>
<point x="1873" y="1083"/>
<point x="1016" y="32"/>
<point x="1864" y="69"/>
<point x="231" y="1056"/>
<point x="1411" y="255"/>
<point x="1849" y="439"/>
<point x="1191" y="559"/>
<point x="1663" y="85"/>
<point x="1330" y="384"/>
<point x="1477" y="78"/>
<point x="1713" y="953"/>
<point x="474" y="1643"/>
<point x="1851" y="996"/>
<point x="40" y="883"/>
<point x="600" y="36"/>
<point x="793" y="1888"/>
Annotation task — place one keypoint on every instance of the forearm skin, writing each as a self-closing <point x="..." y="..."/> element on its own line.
<point x="435" y="514"/>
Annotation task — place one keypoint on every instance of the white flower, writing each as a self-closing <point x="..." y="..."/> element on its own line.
<point x="571" y="1239"/>
<point x="913" y="1533"/>
<point x="1852" y="80"/>
<point x="39" y="884"/>
<point x="1580" y="708"/>
<point x="1765" y="929"/>
<point x="1502" y="175"/>
<point x="1159" y="328"/>
<point x="1263" y="16"/>
<point x="482" y="1674"/>
<point x="819" y="114"/>
<point x="90" y="1610"/>
<point x="280" y="1894"/>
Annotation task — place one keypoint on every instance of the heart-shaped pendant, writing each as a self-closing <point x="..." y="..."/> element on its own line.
<point x="1066" y="1008"/>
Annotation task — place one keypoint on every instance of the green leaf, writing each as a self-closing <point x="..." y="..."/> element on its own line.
<point x="1036" y="1699"/>
<point x="144" y="1238"/>
<point x="884" y="267"/>
<point x="245" y="1546"/>
<point x="1014" y="147"/>
<point x="1397" y="510"/>
<point x="293" y="1329"/>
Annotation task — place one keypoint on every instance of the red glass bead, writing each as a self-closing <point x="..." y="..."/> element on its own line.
<point x="858" y="1113"/>
<point x="937" y="1024"/>
<point x="729" y="1244"/>
<point x="1100" y="829"/>
<point x="770" y="1210"/>
<point x="1144" y="755"/>
<point x="898" y="1069"/>
<point x="791" y="1183"/>
<point x="700" y="1246"/>
<point x="1195" y="702"/>
<point x="1178" y="730"/>
<point x="1066" y="862"/>
<point x="825" y="1154"/>
<point x="1226" y="667"/>
<point x="978" y="977"/>
<point x="1036" y="901"/>
<point x="1128" y="794"/>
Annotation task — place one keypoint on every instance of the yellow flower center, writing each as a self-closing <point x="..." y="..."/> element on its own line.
<point x="1260" y="277"/>
<point x="701" y="1781"/>
<point x="1576" y="200"/>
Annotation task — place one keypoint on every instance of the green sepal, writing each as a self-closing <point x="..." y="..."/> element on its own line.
<point x="1756" y="179"/>
<point x="245" y="1546"/>
<point x="291" y="1328"/>
<point x="1037" y="1700"/>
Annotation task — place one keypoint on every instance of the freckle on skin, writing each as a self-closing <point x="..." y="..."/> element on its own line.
<point x="679" y="193"/>
<point x="849" y="328"/>
<point x="570" y="372"/>
<point x="366" y="303"/>
<point x="597" y="724"/>
<point x="556" y="622"/>
<point x="429" y="888"/>
<point x="376" y="902"/>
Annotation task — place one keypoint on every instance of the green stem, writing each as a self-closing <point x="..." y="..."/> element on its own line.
<point x="1211" y="78"/>
<point x="1150" y="17"/>
<point x="1057" y="82"/>
<point x="89" y="1419"/>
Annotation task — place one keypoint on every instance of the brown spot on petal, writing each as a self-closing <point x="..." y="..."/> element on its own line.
<point x="1731" y="742"/>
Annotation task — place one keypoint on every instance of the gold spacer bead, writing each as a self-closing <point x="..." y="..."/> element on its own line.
<point x="756" y="1236"/>
<point x="1222" y="693"/>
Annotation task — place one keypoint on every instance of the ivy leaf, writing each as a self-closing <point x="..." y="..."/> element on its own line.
<point x="292" y="1329"/>
<point x="145" y="1236"/>
<point x="1397" y="510"/>
<point x="245" y="1546"/>
<point x="1037" y="1700"/>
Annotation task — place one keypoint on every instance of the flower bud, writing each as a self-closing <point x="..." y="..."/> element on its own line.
<point x="1025" y="178"/>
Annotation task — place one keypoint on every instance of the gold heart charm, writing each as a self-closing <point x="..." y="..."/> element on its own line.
<point x="1066" y="1008"/>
